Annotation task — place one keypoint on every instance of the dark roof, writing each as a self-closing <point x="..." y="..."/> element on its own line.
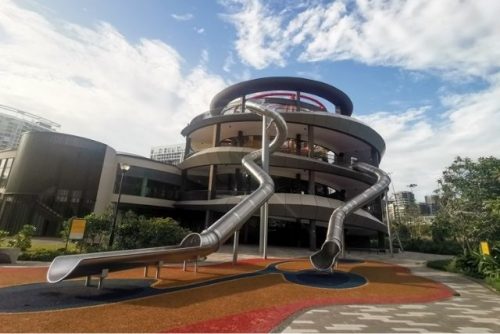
<point x="321" y="89"/>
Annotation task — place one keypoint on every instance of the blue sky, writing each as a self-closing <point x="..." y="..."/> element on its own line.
<point x="425" y="74"/>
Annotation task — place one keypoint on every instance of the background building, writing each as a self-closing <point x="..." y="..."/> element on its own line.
<point x="402" y="204"/>
<point x="54" y="176"/>
<point x="15" y="122"/>
<point x="169" y="154"/>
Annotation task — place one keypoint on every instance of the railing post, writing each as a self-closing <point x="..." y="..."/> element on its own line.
<point x="264" y="208"/>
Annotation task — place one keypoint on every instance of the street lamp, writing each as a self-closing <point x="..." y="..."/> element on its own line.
<point x="123" y="169"/>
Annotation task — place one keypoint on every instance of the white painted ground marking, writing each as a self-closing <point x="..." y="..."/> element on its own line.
<point x="473" y="330"/>
<point x="296" y="322"/>
<point x="345" y="327"/>
<point x="411" y="330"/>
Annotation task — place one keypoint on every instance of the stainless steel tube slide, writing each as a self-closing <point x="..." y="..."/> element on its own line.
<point x="325" y="258"/>
<point x="194" y="245"/>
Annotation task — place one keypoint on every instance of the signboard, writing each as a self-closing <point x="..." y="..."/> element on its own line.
<point x="77" y="229"/>
<point x="485" y="249"/>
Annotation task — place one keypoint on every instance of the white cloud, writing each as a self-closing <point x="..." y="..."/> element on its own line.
<point x="418" y="148"/>
<point x="259" y="33"/>
<point x="228" y="62"/>
<point x="182" y="17"/>
<point x="448" y="35"/>
<point x="452" y="38"/>
<point x="199" y="30"/>
<point x="97" y="84"/>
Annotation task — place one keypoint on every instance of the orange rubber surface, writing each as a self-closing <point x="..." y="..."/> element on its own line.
<point x="252" y="304"/>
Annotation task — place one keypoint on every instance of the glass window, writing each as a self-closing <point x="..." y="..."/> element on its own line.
<point x="76" y="196"/>
<point x="157" y="189"/>
<point x="62" y="195"/>
<point x="130" y="186"/>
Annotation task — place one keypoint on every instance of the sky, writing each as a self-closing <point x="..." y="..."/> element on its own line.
<point x="131" y="74"/>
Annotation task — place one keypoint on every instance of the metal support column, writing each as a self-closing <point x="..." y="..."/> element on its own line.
<point x="104" y="274"/>
<point x="236" y="239"/>
<point x="264" y="210"/>
<point x="158" y="268"/>
<point x="387" y="219"/>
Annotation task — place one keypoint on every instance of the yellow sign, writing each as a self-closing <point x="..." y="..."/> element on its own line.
<point x="485" y="249"/>
<point x="77" y="229"/>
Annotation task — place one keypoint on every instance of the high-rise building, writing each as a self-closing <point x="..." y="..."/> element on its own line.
<point x="169" y="154"/>
<point x="402" y="203"/>
<point x="431" y="205"/>
<point x="15" y="122"/>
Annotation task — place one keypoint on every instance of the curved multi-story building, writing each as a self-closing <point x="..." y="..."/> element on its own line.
<point x="53" y="176"/>
<point x="312" y="172"/>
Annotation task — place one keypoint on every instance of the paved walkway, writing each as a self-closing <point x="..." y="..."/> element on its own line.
<point x="476" y="310"/>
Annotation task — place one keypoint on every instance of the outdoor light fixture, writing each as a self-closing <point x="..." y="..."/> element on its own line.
<point x="123" y="168"/>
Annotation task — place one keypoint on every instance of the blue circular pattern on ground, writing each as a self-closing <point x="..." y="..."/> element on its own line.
<point x="328" y="280"/>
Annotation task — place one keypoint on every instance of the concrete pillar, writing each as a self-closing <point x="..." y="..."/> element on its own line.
<point x="241" y="140"/>
<point x="211" y="193"/>
<point x="212" y="175"/>
<point x="310" y="141"/>
<point x="187" y="149"/>
<point x="312" y="235"/>
<point x="311" y="186"/>
<point x="237" y="179"/>
<point x="144" y="186"/>
<point x="298" y="144"/>
<point x="381" y="240"/>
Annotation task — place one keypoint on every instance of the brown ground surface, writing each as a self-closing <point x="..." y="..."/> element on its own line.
<point x="386" y="284"/>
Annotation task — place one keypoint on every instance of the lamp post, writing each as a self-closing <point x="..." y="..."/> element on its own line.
<point x="123" y="169"/>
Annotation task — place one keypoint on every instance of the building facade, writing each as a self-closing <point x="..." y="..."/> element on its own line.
<point x="169" y="154"/>
<point x="14" y="122"/>
<point x="311" y="171"/>
<point x="54" y="176"/>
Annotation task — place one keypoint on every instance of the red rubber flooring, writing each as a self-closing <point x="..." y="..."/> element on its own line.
<point x="238" y="304"/>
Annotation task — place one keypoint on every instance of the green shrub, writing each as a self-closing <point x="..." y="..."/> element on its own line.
<point x="43" y="254"/>
<point x="429" y="246"/>
<point x="493" y="282"/>
<point x="22" y="239"/>
<point x="140" y="232"/>
<point x="3" y="236"/>
<point x="479" y="265"/>
<point x="445" y="265"/>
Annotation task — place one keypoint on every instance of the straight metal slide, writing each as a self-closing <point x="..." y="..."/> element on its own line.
<point x="326" y="257"/>
<point x="194" y="245"/>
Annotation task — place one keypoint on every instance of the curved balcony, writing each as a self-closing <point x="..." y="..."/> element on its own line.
<point x="233" y="155"/>
<point x="296" y="206"/>
<point x="333" y="132"/>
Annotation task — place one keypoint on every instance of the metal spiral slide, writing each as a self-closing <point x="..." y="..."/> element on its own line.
<point x="194" y="245"/>
<point x="326" y="257"/>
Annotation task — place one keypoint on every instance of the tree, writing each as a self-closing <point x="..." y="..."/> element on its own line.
<point x="469" y="194"/>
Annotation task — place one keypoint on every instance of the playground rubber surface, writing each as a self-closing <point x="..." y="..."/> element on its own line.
<point x="253" y="296"/>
